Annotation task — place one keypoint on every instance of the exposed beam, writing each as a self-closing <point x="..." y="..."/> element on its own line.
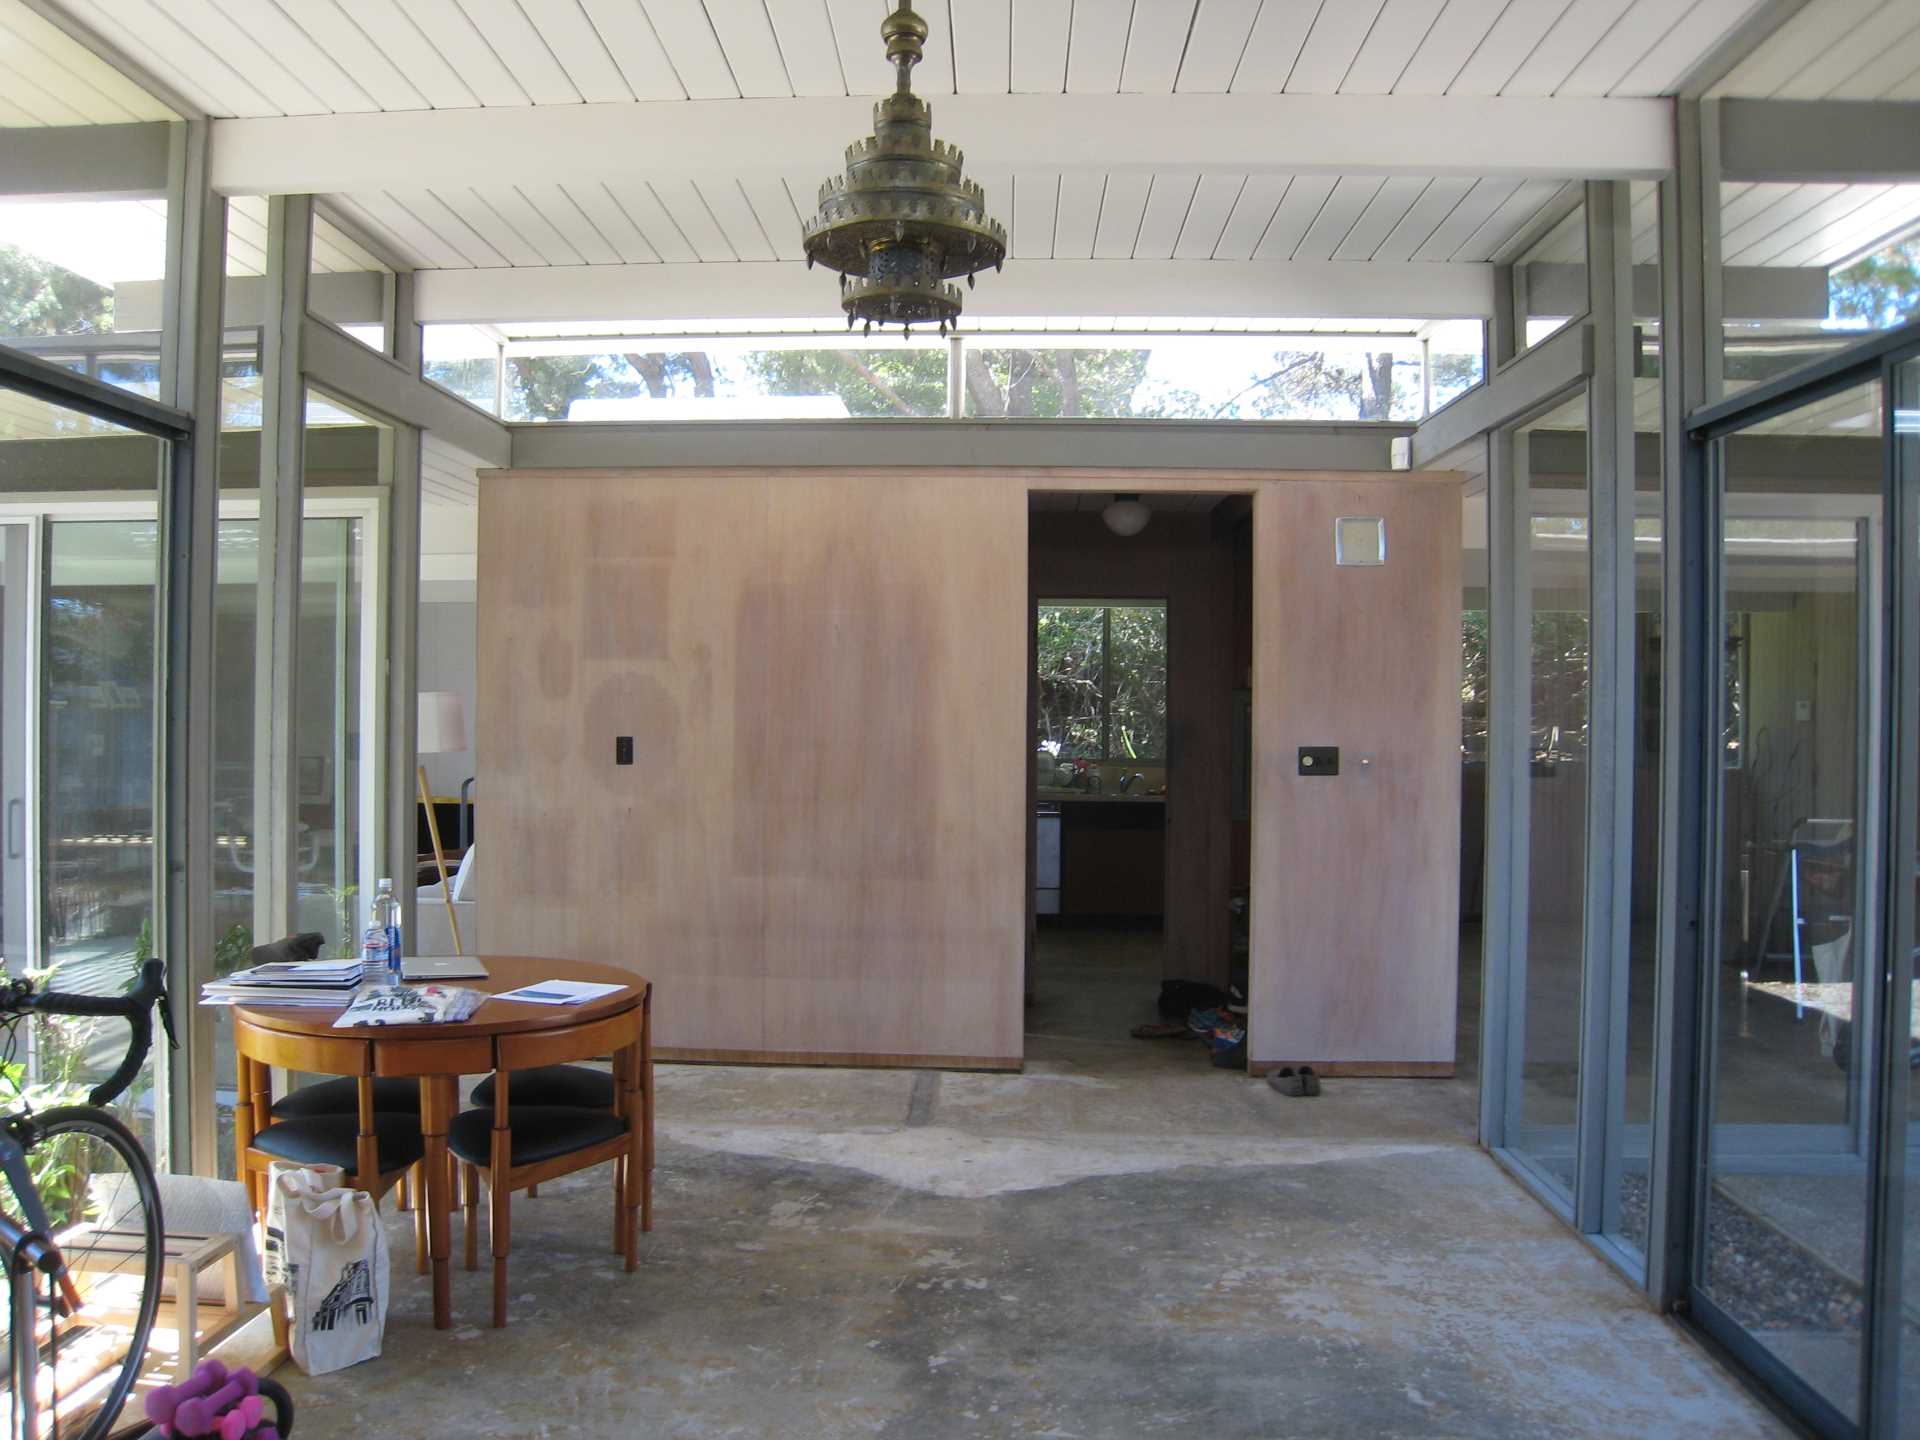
<point x="1836" y="141"/>
<point x="780" y="289"/>
<point x="1545" y="370"/>
<point x="30" y="375"/>
<point x="353" y="297"/>
<point x="98" y="161"/>
<point x="282" y="489"/>
<point x="954" y="444"/>
<point x="341" y="364"/>
<point x="1559" y="138"/>
<point x="1753" y="292"/>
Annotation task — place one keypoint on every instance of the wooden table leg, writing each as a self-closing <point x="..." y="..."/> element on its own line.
<point x="436" y="1109"/>
<point x="243" y="1132"/>
<point x="646" y="1097"/>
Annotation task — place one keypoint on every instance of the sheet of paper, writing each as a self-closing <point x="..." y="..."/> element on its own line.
<point x="559" y="992"/>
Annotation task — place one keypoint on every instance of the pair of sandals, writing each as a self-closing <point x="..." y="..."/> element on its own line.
<point x="1299" y="1083"/>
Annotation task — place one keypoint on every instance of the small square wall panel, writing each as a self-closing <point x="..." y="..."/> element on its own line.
<point x="1360" y="540"/>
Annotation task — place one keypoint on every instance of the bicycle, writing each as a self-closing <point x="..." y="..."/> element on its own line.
<point x="79" y="1209"/>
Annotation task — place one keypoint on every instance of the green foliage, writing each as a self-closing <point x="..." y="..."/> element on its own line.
<point x="1559" y="662"/>
<point x="232" y="950"/>
<point x="544" y="387"/>
<point x="1054" y="383"/>
<point x="869" y="382"/>
<point x="345" y="914"/>
<point x="1475" y="683"/>
<point x="38" y="298"/>
<point x="1883" y="289"/>
<point x="471" y="380"/>
<point x="1000" y="383"/>
<point x="1070" y="647"/>
<point x="1102" y="681"/>
<point x="61" y="1045"/>
<point x="1319" y="385"/>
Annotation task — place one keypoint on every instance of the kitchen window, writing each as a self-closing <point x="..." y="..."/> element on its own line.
<point x="1102" y="670"/>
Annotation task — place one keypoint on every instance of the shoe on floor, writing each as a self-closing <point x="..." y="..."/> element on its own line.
<point x="1287" y="1081"/>
<point x="1309" y="1080"/>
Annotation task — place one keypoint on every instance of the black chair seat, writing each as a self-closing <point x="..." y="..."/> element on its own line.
<point x="342" y="1097"/>
<point x="571" y="1085"/>
<point x="334" y="1140"/>
<point x="540" y="1132"/>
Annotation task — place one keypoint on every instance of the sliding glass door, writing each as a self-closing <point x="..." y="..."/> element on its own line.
<point x="1784" y="1200"/>
<point x="1800" y="1256"/>
<point x="79" y="644"/>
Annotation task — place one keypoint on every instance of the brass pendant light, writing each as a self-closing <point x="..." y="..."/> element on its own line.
<point x="903" y="221"/>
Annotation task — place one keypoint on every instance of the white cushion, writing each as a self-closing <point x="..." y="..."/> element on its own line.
<point x="464" y="887"/>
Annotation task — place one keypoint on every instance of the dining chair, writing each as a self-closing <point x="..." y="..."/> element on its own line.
<point x="576" y="1086"/>
<point x="375" y="1147"/>
<point x="511" y="1146"/>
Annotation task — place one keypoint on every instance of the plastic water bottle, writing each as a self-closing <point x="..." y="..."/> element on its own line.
<point x="381" y="949"/>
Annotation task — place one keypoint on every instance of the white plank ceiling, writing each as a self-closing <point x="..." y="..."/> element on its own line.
<point x="310" y="57"/>
<point x="265" y="58"/>
<point x="49" y="78"/>
<point x="1073" y="216"/>
<point x="1836" y="50"/>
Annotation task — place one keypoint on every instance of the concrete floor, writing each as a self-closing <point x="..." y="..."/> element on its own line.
<point x="1120" y="1242"/>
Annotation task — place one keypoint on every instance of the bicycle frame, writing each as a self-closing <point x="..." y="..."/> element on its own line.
<point x="26" y="1253"/>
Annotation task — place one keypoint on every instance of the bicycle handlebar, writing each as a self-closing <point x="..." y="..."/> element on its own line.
<point x="135" y="1007"/>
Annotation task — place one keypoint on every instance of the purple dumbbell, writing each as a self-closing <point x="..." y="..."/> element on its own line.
<point x="201" y="1415"/>
<point x="164" y="1404"/>
<point x="240" y="1421"/>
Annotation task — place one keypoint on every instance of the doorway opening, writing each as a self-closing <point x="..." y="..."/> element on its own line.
<point x="1139" y="695"/>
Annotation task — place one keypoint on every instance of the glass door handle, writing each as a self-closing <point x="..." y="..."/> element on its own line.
<point x="16" y="827"/>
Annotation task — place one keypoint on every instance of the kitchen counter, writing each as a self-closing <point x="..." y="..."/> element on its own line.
<point x="1084" y="797"/>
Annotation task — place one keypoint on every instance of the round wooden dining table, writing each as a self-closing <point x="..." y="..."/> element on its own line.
<point x="303" y="1038"/>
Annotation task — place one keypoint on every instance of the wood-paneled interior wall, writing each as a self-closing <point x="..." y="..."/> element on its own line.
<point x="816" y="852"/>
<point x="820" y="850"/>
<point x="1355" y="899"/>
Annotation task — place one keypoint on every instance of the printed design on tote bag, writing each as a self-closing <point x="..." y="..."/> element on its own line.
<point x="354" y="1292"/>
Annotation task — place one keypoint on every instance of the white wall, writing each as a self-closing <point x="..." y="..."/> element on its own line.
<point x="447" y="646"/>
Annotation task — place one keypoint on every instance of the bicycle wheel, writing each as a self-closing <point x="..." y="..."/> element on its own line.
<point x="103" y="1207"/>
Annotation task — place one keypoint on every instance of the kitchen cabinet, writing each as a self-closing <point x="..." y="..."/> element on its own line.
<point x="1113" y="856"/>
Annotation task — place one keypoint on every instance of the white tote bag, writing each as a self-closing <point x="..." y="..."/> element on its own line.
<point x="273" y="1240"/>
<point x="337" y="1272"/>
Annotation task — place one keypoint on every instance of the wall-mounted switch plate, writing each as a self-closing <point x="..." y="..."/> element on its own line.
<point x="1319" y="759"/>
<point x="623" y="749"/>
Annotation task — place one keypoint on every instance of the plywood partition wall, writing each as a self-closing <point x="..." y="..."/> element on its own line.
<point x="817" y="850"/>
<point x="1356" y="877"/>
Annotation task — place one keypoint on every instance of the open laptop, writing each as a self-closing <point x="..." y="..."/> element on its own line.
<point x="442" y="967"/>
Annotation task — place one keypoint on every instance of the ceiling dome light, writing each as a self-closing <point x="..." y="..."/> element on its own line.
<point x="1126" y="515"/>
<point x="903" y="220"/>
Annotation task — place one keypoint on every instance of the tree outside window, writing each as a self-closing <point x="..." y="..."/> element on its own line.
<point x="1102" y="672"/>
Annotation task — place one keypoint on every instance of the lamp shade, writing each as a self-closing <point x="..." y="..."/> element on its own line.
<point x="443" y="722"/>
<point x="1127" y="515"/>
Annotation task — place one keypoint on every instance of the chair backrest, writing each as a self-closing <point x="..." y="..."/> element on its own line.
<point x="557" y="1047"/>
<point x="575" y="1042"/>
<point x="310" y="1054"/>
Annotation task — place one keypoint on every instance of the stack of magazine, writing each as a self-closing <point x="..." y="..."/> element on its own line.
<point x="411" y="1005"/>
<point x="298" y="982"/>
